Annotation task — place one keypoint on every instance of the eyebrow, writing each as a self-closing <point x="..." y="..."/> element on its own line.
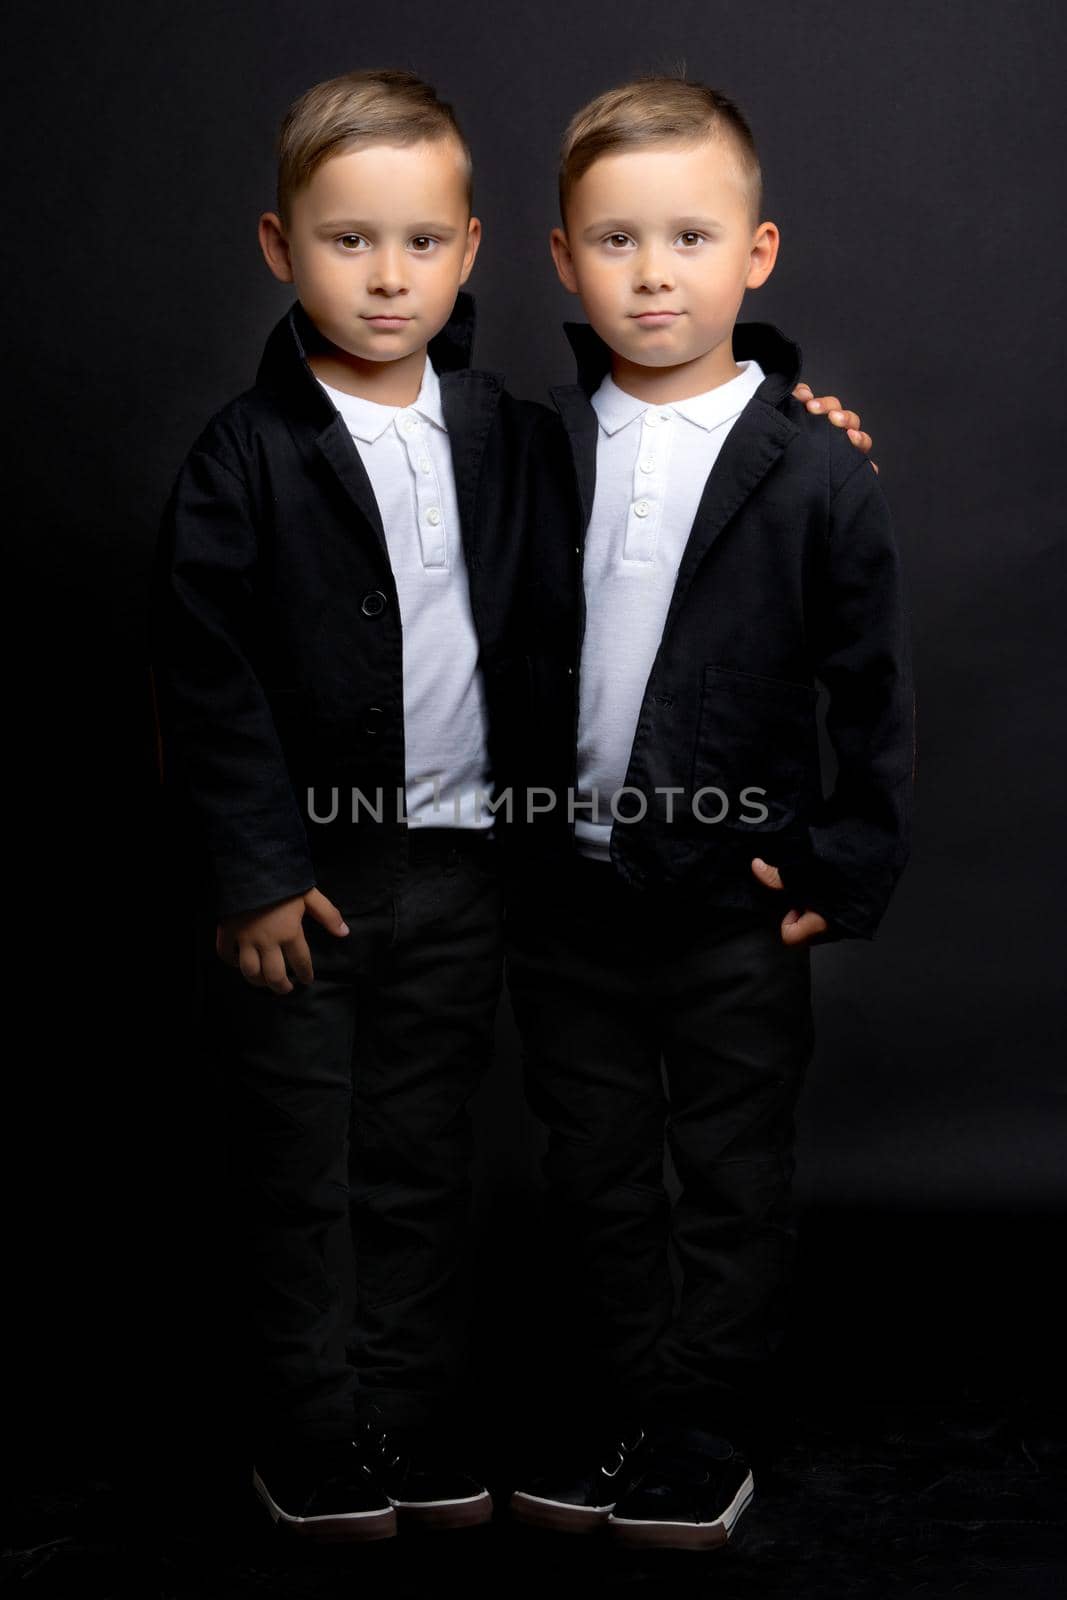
<point x="620" y="225"/>
<point x="351" y="225"/>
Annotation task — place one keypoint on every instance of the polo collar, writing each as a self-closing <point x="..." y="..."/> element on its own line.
<point x="616" y="409"/>
<point x="368" y="419"/>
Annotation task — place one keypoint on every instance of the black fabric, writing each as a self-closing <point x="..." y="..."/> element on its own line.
<point x="791" y="576"/>
<point x="349" y="1120"/>
<point x="604" y="983"/>
<point x="276" y="630"/>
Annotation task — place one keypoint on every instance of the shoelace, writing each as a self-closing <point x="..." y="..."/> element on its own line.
<point x="621" y="1450"/>
<point x="383" y="1444"/>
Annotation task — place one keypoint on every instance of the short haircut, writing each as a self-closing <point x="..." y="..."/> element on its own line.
<point x="657" y="109"/>
<point x="377" y="106"/>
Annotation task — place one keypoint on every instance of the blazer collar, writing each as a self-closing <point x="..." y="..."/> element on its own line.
<point x="467" y="400"/>
<point x="752" y="447"/>
<point x="284" y="369"/>
<point x="778" y="356"/>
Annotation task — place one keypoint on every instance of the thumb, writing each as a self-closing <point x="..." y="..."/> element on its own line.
<point x="326" y="912"/>
<point x="767" y="874"/>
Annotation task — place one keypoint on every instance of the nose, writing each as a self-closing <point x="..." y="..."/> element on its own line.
<point x="653" y="269"/>
<point x="387" y="271"/>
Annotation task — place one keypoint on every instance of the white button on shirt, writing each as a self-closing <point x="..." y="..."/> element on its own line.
<point x="651" y="468"/>
<point x="406" y="452"/>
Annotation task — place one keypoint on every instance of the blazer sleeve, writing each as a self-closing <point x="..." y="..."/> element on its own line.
<point x="220" y="747"/>
<point x="861" y="836"/>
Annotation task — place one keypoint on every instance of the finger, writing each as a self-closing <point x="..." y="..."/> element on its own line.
<point x="844" y="419"/>
<point x="825" y="402"/>
<point x="326" y="912"/>
<point x="767" y="874"/>
<point x="298" y="960"/>
<point x="802" y="927"/>
<point x="272" y="964"/>
<point x="248" y="962"/>
<point x="862" y="441"/>
<point x="802" y="391"/>
<point x="874" y="464"/>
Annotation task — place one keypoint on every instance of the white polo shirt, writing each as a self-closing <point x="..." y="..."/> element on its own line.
<point x="652" y="464"/>
<point x="406" y="453"/>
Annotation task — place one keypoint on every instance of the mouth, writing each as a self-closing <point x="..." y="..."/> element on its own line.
<point x="655" y="319"/>
<point x="385" y="322"/>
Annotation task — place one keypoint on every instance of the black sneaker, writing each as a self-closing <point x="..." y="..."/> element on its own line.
<point x="578" y="1497"/>
<point x="322" y="1491"/>
<point x="422" y="1478"/>
<point x="692" y="1490"/>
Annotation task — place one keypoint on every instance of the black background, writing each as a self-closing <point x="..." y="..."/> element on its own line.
<point x="913" y="161"/>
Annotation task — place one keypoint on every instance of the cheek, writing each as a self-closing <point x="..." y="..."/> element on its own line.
<point x="600" y="287"/>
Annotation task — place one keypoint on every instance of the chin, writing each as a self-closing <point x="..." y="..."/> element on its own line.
<point x="646" y="355"/>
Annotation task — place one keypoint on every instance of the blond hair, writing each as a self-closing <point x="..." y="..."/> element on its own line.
<point x="377" y="106"/>
<point x="657" y="109"/>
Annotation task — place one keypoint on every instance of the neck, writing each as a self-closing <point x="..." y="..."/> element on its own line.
<point x="660" y="385"/>
<point x="387" y="383"/>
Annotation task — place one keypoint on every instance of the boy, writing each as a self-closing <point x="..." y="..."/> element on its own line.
<point x="336" y="630"/>
<point x="727" y="552"/>
<point x="336" y="580"/>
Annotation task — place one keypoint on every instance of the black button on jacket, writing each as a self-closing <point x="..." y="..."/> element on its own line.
<point x="276" y="633"/>
<point x="791" y="577"/>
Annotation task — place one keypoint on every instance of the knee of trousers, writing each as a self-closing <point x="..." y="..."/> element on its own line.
<point x="605" y="1178"/>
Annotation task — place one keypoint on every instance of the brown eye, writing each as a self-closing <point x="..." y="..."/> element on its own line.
<point x="346" y="237"/>
<point x="422" y="239"/>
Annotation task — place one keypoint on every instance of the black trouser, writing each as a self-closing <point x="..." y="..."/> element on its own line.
<point x="607" y="985"/>
<point x="350" y="1106"/>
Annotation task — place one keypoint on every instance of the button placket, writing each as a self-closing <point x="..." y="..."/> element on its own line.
<point x="649" y="480"/>
<point x="429" y="515"/>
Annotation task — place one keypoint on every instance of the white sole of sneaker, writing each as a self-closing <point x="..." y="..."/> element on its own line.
<point x="558" y="1516"/>
<point x="466" y="1513"/>
<point x="683" y="1535"/>
<point x="337" y="1528"/>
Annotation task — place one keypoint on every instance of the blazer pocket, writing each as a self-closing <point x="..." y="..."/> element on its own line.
<point x="756" y="742"/>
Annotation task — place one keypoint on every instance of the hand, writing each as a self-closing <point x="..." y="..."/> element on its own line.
<point x="829" y="405"/>
<point x="797" y="926"/>
<point x="260" y="943"/>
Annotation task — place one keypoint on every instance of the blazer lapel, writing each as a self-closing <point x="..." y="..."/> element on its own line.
<point x="580" y="421"/>
<point x="751" y="448"/>
<point x="336" y="445"/>
<point x="469" y="400"/>
<point x="285" y="370"/>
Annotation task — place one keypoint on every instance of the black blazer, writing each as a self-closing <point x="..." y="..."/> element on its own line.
<point x="790" y="576"/>
<point x="276" y="636"/>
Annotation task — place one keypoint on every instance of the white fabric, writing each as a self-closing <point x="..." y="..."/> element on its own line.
<point x="406" y="452"/>
<point x="652" y="464"/>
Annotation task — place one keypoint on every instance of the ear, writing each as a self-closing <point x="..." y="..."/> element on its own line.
<point x="275" y="246"/>
<point x="762" y="255"/>
<point x="474" y="239"/>
<point x="561" y="255"/>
